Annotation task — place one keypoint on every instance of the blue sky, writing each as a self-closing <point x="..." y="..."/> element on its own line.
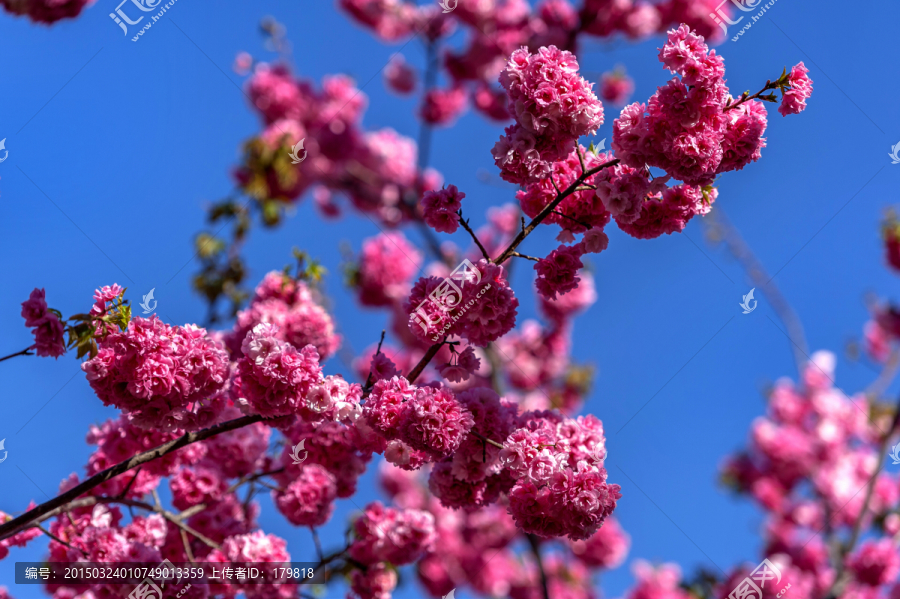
<point x="115" y="147"/>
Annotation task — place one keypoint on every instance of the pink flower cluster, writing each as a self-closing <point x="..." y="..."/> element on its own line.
<point x="276" y="379"/>
<point x="48" y="328"/>
<point x="558" y="272"/>
<point x="684" y="129"/>
<point x="553" y="106"/>
<point x="375" y="170"/>
<point x="309" y="499"/>
<point x="389" y="535"/>
<point x="387" y="264"/>
<point x="670" y="211"/>
<point x="483" y="310"/>
<point x="443" y="106"/>
<point x="560" y="482"/>
<point x="440" y="209"/>
<point x="46" y="11"/>
<point x="399" y="76"/>
<point x="793" y="100"/>
<point x="429" y="420"/>
<point x="616" y="87"/>
<point x="17" y="540"/>
<point x="159" y="375"/>
<point x="292" y="307"/>
<point x="256" y="547"/>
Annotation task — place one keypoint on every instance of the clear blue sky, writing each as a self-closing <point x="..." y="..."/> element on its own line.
<point x="115" y="147"/>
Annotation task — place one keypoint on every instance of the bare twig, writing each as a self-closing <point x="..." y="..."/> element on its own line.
<point x="526" y="256"/>
<point x="486" y="440"/>
<point x="60" y="541"/>
<point x="187" y="546"/>
<point x="535" y="545"/>
<point x="317" y="542"/>
<point x="24" y="352"/>
<point x="368" y="386"/>
<point x="465" y="225"/>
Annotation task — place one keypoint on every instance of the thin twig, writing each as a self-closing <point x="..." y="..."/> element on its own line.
<point x="550" y="208"/>
<point x="368" y="386"/>
<point x="60" y="541"/>
<point x="526" y="256"/>
<point x="24" y="352"/>
<point x="582" y="223"/>
<point x="317" y="542"/>
<point x="486" y="440"/>
<point x="187" y="546"/>
<point x="535" y="545"/>
<point x="465" y="225"/>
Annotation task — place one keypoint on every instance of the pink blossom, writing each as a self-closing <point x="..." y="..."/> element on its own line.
<point x="275" y="377"/>
<point x="309" y="499"/>
<point x="389" y="535"/>
<point x="793" y="100"/>
<point x="257" y="547"/>
<point x="553" y="107"/>
<point x="46" y="11"/>
<point x="875" y="562"/>
<point x="440" y="208"/>
<point x="375" y="582"/>
<point x="399" y="76"/>
<point x="485" y="311"/>
<point x="195" y="485"/>
<point x="443" y="106"/>
<point x="331" y="445"/>
<point x="47" y="328"/>
<point x="606" y="549"/>
<point x="558" y="272"/>
<point x="387" y="264"/>
<point x="160" y="375"/>
<point x="616" y="87"/>
<point x="292" y="307"/>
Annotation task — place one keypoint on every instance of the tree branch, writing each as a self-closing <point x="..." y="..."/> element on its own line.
<point x="60" y="502"/>
<point x="535" y="545"/>
<point x="24" y="352"/>
<point x="550" y="208"/>
<point x="465" y="225"/>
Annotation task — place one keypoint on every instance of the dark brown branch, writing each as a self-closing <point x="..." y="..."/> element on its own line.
<point x="429" y="355"/>
<point x="535" y="545"/>
<point x="550" y="208"/>
<point x="746" y="97"/>
<point x="526" y="256"/>
<point x="24" y="352"/>
<point x="465" y="225"/>
<point x="486" y="440"/>
<point x="24" y="521"/>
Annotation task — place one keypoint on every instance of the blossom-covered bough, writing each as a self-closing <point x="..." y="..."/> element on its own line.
<point x="475" y="418"/>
